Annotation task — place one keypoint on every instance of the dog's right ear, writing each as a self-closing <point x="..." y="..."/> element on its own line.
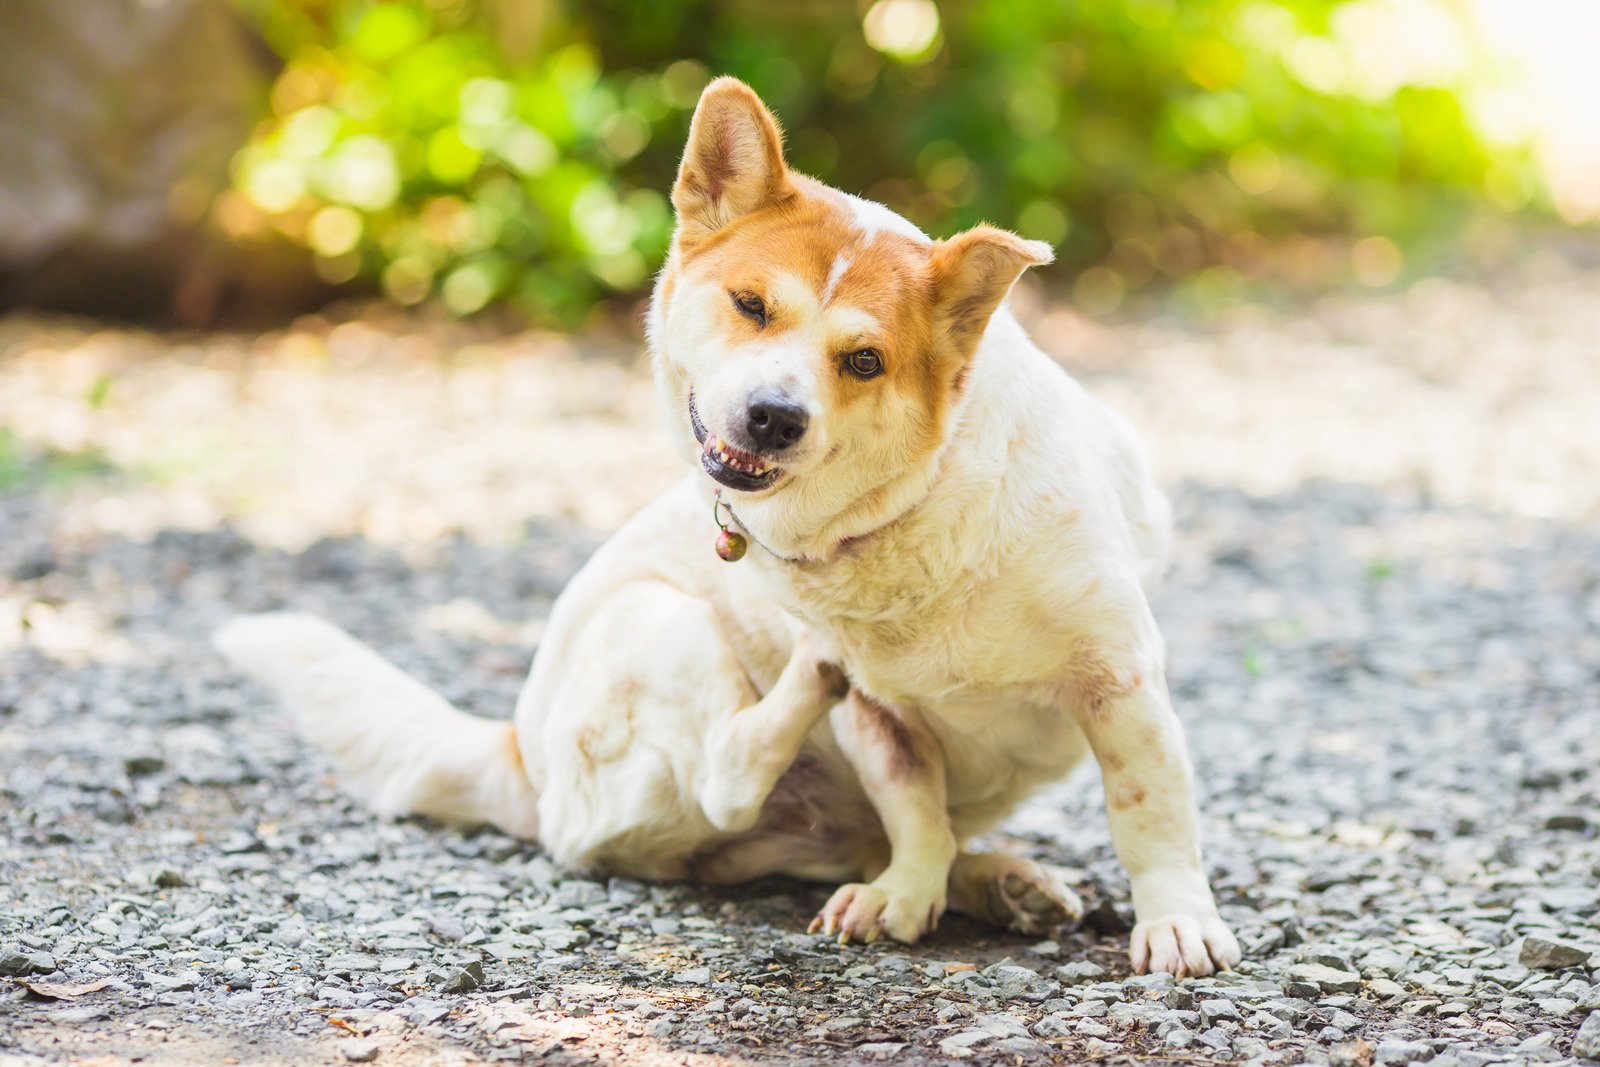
<point x="733" y="163"/>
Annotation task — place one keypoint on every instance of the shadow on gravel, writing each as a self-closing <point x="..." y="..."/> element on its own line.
<point x="1394" y="711"/>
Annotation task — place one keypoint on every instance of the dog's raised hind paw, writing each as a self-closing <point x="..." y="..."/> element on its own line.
<point x="1013" y="893"/>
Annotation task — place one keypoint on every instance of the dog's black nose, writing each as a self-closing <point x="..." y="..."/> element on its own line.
<point x="776" y="422"/>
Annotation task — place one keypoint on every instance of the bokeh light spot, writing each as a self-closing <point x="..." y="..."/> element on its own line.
<point x="1375" y="261"/>
<point x="1255" y="168"/>
<point x="333" y="231"/>
<point x="904" y="29"/>
<point x="1043" y="220"/>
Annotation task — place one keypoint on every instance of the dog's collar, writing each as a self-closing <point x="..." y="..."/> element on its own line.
<point x="858" y="538"/>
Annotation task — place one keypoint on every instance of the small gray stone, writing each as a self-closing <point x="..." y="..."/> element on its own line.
<point x="143" y="764"/>
<point x="462" y="979"/>
<point x="579" y="893"/>
<point x="1178" y="1037"/>
<point x="1025" y="1047"/>
<point x="694" y="976"/>
<point x="1079" y="971"/>
<point x="958" y="1044"/>
<point x="350" y="961"/>
<point x="1215" y="1011"/>
<point x="358" y="1051"/>
<point x="1391" y="1051"/>
<point x="1327" y="979"/>
<point x="1586" y="1045"/>
<point x="1544" y="953"/>
<point x="424" y="1012"/>
<point x="19" y="963"/>
<point x="1270" y="1026"/>
<point x="1385" y="989"/>
<point x="1013" y="981"/>
<point x="1001" y="1025"/>
<point x="1178" y="997"/>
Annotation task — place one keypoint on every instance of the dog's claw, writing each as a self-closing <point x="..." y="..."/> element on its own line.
<point x="872" y="935"/>
<point x="816" y="924"/>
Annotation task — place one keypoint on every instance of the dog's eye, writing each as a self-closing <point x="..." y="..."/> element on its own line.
<point x="865" y="363"/>
<point x="751" y="307"/>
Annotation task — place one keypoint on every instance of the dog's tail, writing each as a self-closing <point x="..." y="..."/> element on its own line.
<point x="402" y="749"/>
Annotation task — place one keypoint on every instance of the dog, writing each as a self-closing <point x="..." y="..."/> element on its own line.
<point x="941" y="605"/>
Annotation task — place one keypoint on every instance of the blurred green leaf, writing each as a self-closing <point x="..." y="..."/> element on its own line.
<point x="523" y="151"/>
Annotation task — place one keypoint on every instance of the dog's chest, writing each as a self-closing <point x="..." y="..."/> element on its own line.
<point x="976" y="653"/>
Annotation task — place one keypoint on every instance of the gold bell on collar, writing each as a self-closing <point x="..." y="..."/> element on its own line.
<point x="731" y="545"/>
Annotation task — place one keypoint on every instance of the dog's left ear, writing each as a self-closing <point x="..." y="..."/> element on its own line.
<point x="733" y="163"/>
<point x="973" y="272"/>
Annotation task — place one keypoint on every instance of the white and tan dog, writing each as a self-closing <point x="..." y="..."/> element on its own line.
<point x="934" y="506"/>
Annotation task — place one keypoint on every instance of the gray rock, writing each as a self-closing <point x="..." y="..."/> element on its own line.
<point x="1011" y="981"/>
<point x="1270" y="1026"/>
<point x="359" y="1051"/>
<point x="1549" y="954"/>
<point x="1326" y="979"/>
<point x="462" y="979"/>
<point x="349" y="962"/>
<point x="19" y="963"/>
<point x="1586" y="1044"/>
<point x="1390" y="1051"/>
<point x="1026" y="1047"/>
<point x="1215" y="1011"/>
<point x="579" y="893"/>
<point x="1078" y="972"/>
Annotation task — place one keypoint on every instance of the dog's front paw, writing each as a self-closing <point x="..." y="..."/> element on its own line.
<point x="860" y="912"/>
<point x="1184" y="945"/>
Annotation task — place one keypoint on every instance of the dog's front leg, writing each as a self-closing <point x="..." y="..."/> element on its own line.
<point x="902" y="771"/>
<point x="1148" y="783"/>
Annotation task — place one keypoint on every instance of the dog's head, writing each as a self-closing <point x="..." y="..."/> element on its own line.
<point x="810" y="345"/>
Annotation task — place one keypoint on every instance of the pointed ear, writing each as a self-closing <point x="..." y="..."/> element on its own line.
<point x="973" y="272"/>
<point x="733" y="163"/>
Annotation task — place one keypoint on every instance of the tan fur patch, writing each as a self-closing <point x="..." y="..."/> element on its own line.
<point x="512" y="746"/>
<point x="890" y="733"/>
<point x="1128" y="798"/>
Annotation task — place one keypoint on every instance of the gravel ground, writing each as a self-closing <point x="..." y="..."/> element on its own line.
<point x="1384" y="618"/>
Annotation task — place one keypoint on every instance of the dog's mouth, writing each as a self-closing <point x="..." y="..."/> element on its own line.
<point x="730" y="466"/>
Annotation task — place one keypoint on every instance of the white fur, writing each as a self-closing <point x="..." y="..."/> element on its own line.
<point x="678" y="722"/>
<point x="872" y="217"/>
<point x="841" y="264"/>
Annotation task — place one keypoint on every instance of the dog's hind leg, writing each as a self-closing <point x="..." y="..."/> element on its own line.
<point x="747" y="751"/>
<point x="654" y="744"/>
<point x="1011" y="892"/>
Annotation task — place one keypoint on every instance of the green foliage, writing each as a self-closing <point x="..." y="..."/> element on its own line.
<point x="524" y="151"/>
